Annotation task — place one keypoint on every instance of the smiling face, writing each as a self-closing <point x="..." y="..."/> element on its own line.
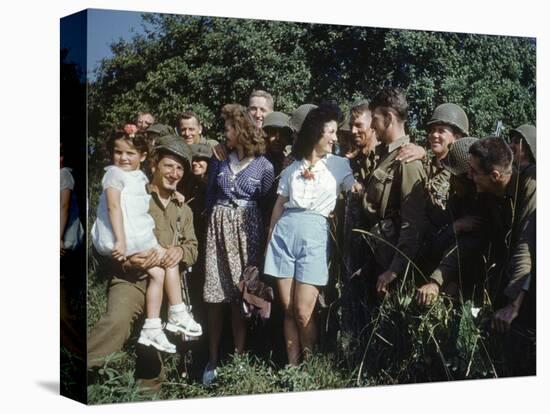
<point x="258" y="109"/>
<point x="168" y="172"/>
<point x="440" y="136"/>
<point x="328" y="139"/>
<point x="199" y="166"/>
<point x="126" y="156"/>
<point x="276" y="139"/>
<point x="190" y="130"/>
<point x="144" y="121"/>
<point x="362" y="133"/>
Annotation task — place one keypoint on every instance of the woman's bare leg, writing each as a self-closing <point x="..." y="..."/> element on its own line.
<point x="305" y="298"/>
<point x="286" y="287"/>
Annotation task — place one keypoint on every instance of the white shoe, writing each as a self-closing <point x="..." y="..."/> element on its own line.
<point x="153" y="335"/>
<point x="209" y="375"/>
<point x="182" y="321"/>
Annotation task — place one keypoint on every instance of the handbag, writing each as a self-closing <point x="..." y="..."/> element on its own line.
<point x="256" y="296"/>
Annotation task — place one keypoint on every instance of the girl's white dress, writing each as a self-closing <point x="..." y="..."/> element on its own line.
<point x="134" y="202"/>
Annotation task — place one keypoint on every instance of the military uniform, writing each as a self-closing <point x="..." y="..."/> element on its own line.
<point x="394" y="205"/>
<point x="363" y="165"/>
<point x="511" y="225"/>
<point x="126" y="297"/>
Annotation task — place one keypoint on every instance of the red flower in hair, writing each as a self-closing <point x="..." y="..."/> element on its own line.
<point x="130" y="129"/>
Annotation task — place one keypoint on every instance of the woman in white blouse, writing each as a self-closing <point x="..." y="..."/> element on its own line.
<point x="297" y="252"/>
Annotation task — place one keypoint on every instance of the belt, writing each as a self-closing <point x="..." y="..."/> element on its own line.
<point x="235" y="203"/>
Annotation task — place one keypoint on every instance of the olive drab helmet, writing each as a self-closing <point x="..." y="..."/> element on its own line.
<point x="450" y="114"/>
<point x="529" y="134"/>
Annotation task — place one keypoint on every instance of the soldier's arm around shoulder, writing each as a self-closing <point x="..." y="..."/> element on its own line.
<point x="187" y="239"/>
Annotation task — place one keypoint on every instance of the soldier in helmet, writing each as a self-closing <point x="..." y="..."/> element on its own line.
<point x="447" y="124"/>
<point x="523" y="141"/>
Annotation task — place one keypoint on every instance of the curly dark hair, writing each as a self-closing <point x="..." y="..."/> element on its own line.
<point x="138" y="141"/>
<point x="250" y="136"/>
<point x="312" y="128"/>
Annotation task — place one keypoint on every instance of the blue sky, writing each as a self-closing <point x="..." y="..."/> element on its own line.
<point x="104" y="27"/>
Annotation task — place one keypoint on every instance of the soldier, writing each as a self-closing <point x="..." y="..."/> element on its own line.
<point x="523" y="141"/>
<point x="447" y="124"/>
<point x="364" y="138"/>
<point x="467" y="233"/>
<point x="190" y="129"/>
<point x="260" y="103"/>
<point x="144" y="120"/>
<point x="126" y="296"/>
<point x="394" y="201"/>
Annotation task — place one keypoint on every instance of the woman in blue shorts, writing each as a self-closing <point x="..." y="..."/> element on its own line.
<point x="297" y="252"/>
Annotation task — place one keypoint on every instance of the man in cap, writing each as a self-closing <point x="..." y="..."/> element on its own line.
<point x="260" y="104"/>
<point x="156" y="131"/>
<point x="126" y="296"/>
<point x="394" y="202"/>
<point x="190" y="129"/>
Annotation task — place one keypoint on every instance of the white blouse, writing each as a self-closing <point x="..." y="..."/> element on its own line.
<point x="134" y="202"/>
<point x="331" y="174"/>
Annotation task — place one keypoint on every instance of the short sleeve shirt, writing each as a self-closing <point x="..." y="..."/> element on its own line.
<point x="319" y="192"/>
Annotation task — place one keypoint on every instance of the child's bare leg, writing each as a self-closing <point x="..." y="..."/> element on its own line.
<point x="153" y="296"/>
<point x="172" y="286"/>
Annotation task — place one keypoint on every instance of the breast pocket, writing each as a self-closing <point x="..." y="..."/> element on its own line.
<point x="379" y="182"/>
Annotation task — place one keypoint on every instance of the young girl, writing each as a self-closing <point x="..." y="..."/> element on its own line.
<point x="123" y="228"/>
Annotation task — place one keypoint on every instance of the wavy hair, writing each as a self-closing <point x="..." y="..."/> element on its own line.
<point x="250" y="136"/>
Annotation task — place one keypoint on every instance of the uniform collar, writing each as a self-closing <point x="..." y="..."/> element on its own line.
<point x="153" y="191"/>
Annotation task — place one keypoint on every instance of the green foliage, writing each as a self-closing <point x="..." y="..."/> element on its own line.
<point x="201" y="63"/>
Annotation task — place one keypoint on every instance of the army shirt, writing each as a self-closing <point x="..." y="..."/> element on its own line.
<point x="395" y="191"/>
<point x="437" y="194"/>
<point x="174" y="226"/>
<point x="512" y="223"/>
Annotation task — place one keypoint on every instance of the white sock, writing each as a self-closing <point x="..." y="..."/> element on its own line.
<point x="153" y="323"/>
<point x="180" y="307"/>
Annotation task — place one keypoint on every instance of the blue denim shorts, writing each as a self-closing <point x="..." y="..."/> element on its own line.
<point x="299" y="248"/>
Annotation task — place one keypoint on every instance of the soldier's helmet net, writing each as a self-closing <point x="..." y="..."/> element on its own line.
<point x="457" y="161"/>
<point x="529" y="134"/>
<point x="450" y="114"/>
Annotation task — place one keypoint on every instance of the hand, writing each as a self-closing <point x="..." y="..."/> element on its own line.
<point x="358" y="188"/>
<point x="145" y="260"/>
<point x="172" y="257"/>
<point x="410" y="152"/>
<point x="62" y="250"/>
<point x="180" y="197"/>
<point x="427" y="293"/>
<point x="352" y="154"/>
<point x="383" y="282"/>
<point x="503" y="318"/>
<point x="119" y="249"/>
<point x="467" y="224"/>
<point x="220" y="152"/>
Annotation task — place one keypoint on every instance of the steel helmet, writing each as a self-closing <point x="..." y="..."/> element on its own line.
<point x="529" y="134"/>
<point x="450" y="114"/>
